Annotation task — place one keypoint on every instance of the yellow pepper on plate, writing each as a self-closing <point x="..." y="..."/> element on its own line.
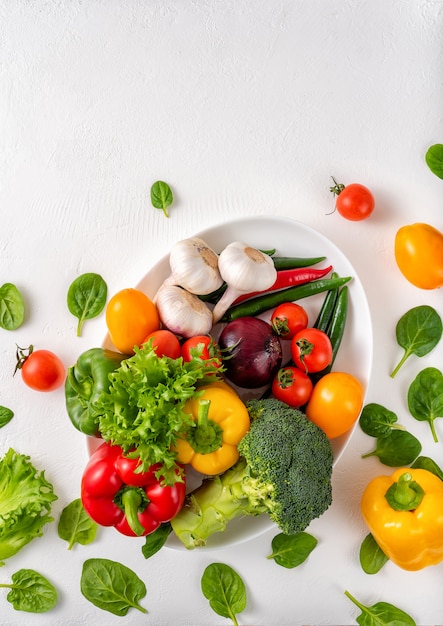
<point x="404" y="513"/>
<point x="221" y="420"/>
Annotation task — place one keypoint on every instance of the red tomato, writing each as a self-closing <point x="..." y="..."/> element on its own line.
<point x="288" y="319"/>
<point x="354" y="202"/>
<point x="165" y="343"/>
<point x="41" y="370"/>
<point x="292" y="386"/>
<point x="210" y="349"/>
<point x="311" y="350"/>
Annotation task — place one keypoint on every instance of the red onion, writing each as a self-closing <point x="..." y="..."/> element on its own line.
<point x="253" y="352"/>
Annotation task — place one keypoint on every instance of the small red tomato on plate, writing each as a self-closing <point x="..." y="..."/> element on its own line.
<point x="292" y="386"/>
<point x="354" y="202"/>
<point x="210" y="350"/>
<point x="41" y="370"/>
<point x="311" y="350"/>
<point x="289" y="318"/>
<point x="165" y="343"/>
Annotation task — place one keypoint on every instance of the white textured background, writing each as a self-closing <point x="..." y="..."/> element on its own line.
<point x="245" y="108"/>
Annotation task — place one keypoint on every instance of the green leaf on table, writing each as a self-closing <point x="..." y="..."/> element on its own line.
<point x="425" y="397"/>
<point x="87" y="298"/>
<point x="111" y="586"/>
<point x="225" y="590"/>
<point x="381" y="614"/>
<point x="156" y="540"/>
<point x="376" y="421"/>
<point x="6" y="416"/>
<point x="31" y="592"/>
<point x="75" y="525"/>
<point x="161" y="196"/>
<point x="418" y="331"/>
<point x="12" y="307"/>
<point x="372" y="557"/>
<point x="396" y="449"/>
<point x="434" y="159"/>
<point x="292" y="550"/>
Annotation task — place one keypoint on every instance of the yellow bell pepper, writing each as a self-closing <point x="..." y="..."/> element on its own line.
<point x="419" y="255"/>
<point x="221" y="420"/>
<point x="404" y="513"/>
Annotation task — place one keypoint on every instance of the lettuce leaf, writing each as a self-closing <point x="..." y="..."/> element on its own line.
<point x="25" y="503"/>
<point x="142" y="411"/>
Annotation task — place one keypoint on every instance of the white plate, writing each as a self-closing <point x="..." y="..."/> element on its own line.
<point x="290" y="238"/>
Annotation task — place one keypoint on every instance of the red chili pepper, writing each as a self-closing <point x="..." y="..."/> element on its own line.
<point x="289" y="278"/>
<point x="114" y="494"/>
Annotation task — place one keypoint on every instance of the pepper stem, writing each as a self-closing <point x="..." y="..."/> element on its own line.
<point x="206" y="436"/>
<point x="406" y="494"/>
<point x="132" y="503"/>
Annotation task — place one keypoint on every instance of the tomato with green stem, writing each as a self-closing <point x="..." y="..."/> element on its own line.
<point x="292" y="386"/>
<point x="311" y="350"/>
<point x="289" y="318"/>
<point x="354" y="202"/>
<point x="205" y="347"/>
<point x="41" y="370"/>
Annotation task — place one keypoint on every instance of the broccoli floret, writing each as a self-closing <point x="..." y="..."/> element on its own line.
<point x="284" y="470"/>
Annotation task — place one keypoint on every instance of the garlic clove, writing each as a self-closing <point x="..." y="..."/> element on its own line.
<point x="194" y="266"/>
<point x="182" y="312"/>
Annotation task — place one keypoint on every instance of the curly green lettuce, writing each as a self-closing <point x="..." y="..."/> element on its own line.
<point x="26" y="498"/>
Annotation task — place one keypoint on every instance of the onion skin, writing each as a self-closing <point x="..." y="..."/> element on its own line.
<point x="253" y="352"/>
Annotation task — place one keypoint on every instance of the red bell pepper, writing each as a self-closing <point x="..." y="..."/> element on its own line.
<point x="135" y="503"/>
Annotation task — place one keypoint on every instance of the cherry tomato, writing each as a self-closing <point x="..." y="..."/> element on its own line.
<point x="41" y="370"/>
<point x="288" y="319"/>
<point x="165" y="343"/>
<point x="292" y="386"/>
<point x="311" y="350"/>
<point x="335" y="403"/>
<point x="354" y="202"/>
<point x="210" y="349"/>
<point x="130" y="316"/>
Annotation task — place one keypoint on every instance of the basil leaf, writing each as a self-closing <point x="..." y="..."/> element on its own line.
<point x="292" y="550"/>
<point x="372" y="557"/>
<point x="156" y="540"/>
<point x="224" y="589"/>
<point x="12" y="307"/>
<point x="418" y="331"/>
<point x="75" y="525"/>
<point x="376" y="421"/>
<point x="111" y="586"/>
<point x="434" y="159"/>
<point x="161" y="196"/>
<point x="381" y="614"/>
<point x="6" y="416"/>
<point x="31" y="592"/>
<point x="87" y="298"/>
<point x="397" y="448"/>
<point x="424" y="462"/>
<point x="425" y="397"/>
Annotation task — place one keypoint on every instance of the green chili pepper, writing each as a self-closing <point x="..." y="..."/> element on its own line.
<point x="336" y="326"/>
<point x="263" y="303"/>
<point x="85" y="382"/>
<point x="327" y="308"/>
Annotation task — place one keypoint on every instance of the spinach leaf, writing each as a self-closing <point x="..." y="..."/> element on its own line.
<point x="292" y="550"/>
<point x="424" y="462"/>
<point x="87" y="298"/>
<point x="434" y="159"/>
<point x="372" y="557"/>
<point x="161" y="196"/>
<point x="31" y="592"/>
<point x="225" y="590"/>
<point x="376" y="421"/>
<point x="75" y="525"/>
<point x="418" y="331"/>
<point x="425" y="397"/>
<point x="12" y="307"/>
<point x="111" y="586"/>
<point x="395" y="449"/>
<point x="156" y="540"/>
<point x="381" y="614"/>
<point x="6" y="416"/>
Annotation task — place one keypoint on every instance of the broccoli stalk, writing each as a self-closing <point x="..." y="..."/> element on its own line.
<point x="284" y="470"/>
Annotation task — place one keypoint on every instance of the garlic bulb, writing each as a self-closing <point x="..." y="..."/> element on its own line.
<point x="194" y="266"/>
<point x="244" y="269"/>
<point x="182" y="312"/>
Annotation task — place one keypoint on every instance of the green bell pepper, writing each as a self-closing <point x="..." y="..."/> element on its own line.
<point x="85" y="381"/>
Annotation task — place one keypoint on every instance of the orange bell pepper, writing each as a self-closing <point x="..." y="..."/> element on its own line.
<point x="404" y="513"/>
